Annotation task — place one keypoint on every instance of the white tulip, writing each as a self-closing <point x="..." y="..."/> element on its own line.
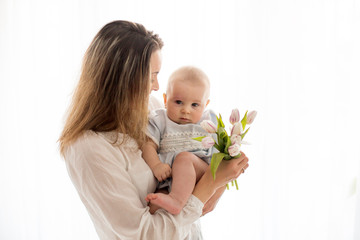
<point x="235" y="116"/>
<point x="234" y="150"/>
<point x="250" y="117"/>
<point x="236" y="139"/>
<point x="236" y="129"/>
<point x="209" y="126"/>
<point x="207" y="142"/>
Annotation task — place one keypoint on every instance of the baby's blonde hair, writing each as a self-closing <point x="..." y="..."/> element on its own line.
<point x="189" y="74"/>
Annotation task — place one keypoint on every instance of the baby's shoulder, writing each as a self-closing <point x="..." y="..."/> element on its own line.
<point x="158" y="113"/>
<point x="209" y="115"/>
<point x="158" y="118"/>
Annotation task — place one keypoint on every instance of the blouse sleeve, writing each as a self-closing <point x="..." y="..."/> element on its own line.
<point x="156" y="125"/>
<point x="100" y="175"/>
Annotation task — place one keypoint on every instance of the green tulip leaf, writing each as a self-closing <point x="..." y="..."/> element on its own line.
<point x="243" y="135"/>
<point x="243" y="121"/>
<point x="217" y="147"/>
<point x="199" y="138"/>
<point x="220" y="122"/>
<point x="220" y="138"/>
<point x="215" y="162"/>
<point x="227" y="144"/>
<point x="222" y="133"/>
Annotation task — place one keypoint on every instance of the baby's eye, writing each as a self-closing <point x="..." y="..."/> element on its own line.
<point x="178" y="101"/>
<point x="195" y="104"/>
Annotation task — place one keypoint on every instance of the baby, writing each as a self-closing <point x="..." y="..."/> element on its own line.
<point x="172" y="152"/>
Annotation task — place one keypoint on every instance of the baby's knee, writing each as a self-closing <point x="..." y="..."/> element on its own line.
<point x="185" y="156"/>
<point x="188" y="158"/>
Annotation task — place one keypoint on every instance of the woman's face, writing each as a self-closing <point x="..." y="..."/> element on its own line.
<point x="155" y="66"/>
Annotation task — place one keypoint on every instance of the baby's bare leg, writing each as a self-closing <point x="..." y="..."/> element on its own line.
<point x="186" y="170"/>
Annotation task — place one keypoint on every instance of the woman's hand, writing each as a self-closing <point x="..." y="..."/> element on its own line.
<point x="226" y="172"/>
<point x="230" y="170"/>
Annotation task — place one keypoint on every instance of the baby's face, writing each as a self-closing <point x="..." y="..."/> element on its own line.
<point x="185" y="103"/>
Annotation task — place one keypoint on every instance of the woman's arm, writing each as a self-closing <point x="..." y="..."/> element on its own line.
<point x="227" y="171"/>
<point x="211" y="203"/>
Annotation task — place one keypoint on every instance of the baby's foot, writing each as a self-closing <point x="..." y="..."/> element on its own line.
<point x="165" y="201"/>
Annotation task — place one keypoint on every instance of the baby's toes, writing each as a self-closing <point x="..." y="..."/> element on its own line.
<point x="150" y="197"/>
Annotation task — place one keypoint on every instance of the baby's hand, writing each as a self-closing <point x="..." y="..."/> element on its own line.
<point x="162" y="171"/>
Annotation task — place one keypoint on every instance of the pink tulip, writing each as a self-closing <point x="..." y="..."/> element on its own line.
<point x="236" y="129"/>
<point x="235" y="116"/>
<point x="234" y="150"/>
<point x="207" y="142"/>
<point x="209" y="126"/>
<point x="250" y="117"/>
<point x="236" y="139"/>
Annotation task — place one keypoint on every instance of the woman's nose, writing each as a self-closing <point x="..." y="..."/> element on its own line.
<point x="155" y="85"/>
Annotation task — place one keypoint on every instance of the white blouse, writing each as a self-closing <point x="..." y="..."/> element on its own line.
<point x="112" y="180"/>
<point x="154" y="103"/>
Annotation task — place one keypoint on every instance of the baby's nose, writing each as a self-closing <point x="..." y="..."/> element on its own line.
<point x="186" y="109"/>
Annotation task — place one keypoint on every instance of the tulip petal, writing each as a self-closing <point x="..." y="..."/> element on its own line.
<point x="251" y="116"/>
<point x="234" y="150"/>
<point x="235" y="116"/>
<point x="236" y="129"/>
<point x="207" y="142"/>
<point x="208" y="126"/>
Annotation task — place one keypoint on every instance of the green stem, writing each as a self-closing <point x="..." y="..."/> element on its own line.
<point x="237" y="187"/>
<point x="217" y="147"/>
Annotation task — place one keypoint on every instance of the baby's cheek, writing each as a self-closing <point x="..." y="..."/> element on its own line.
<point x="197" y="117"/>
<point x="172" y="116"/>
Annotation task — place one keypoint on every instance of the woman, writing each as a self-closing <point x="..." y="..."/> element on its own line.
<point x="104" y="129"/>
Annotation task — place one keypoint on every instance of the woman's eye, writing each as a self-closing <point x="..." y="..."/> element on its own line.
<point x="195" y="104"/>
<point x="178" y="102"/>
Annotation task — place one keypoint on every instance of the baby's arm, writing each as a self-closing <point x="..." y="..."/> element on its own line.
<point x="160" y="170"/>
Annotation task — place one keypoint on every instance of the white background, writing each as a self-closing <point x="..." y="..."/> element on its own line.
<point x="296" y="62"/>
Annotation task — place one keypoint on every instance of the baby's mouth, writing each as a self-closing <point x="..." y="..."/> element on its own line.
<point x="185" y="119"/>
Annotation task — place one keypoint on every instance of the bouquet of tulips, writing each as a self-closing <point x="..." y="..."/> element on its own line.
<point x="228" y="146"/>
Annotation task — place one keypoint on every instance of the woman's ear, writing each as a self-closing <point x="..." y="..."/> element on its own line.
<point x="164" y="96"/>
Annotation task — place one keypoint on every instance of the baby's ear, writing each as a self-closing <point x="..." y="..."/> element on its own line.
<point x="164" y="96"/>
<point x="207" y="102"/>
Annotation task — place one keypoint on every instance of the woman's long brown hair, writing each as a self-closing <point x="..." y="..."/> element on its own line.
<point x="113" y="90"/>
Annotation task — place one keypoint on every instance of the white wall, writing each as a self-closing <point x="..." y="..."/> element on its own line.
<point x="295" y="62"/>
